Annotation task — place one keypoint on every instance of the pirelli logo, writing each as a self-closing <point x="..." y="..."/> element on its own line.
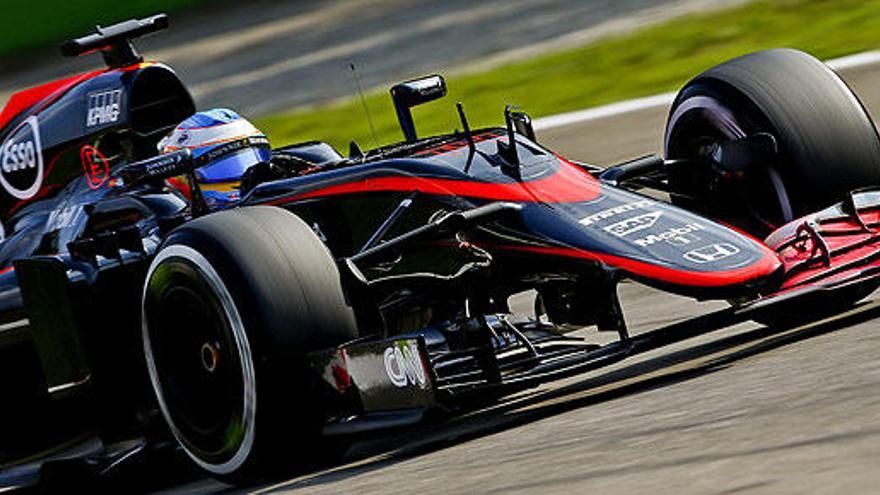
<point x="104" y="107"/>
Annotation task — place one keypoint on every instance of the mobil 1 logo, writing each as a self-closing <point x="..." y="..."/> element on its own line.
<point x="21" y="160"/>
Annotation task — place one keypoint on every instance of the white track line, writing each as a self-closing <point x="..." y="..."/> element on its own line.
<point x="579" y="116"/>
<point x="595" y="113"/>
<point x="854" y="61"/>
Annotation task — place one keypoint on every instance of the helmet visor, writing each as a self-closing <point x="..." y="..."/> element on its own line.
<point x="232" y="167"/>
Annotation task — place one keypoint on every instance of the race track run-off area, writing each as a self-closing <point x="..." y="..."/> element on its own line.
<point x="748" y="409"/>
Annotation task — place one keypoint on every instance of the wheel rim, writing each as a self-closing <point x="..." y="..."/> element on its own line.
<point x="199" y="359"/>
<point x="705" y="120"/>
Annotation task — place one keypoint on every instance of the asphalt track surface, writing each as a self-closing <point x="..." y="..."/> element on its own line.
<point x="748" y="409"/>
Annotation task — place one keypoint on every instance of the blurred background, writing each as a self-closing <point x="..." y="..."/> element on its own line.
<point x="288" y="63"/>
<point x="752" y="411"/>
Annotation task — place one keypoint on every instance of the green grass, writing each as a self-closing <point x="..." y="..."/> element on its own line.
<point x="655" y="59"/>
<point x="27" y="25"/>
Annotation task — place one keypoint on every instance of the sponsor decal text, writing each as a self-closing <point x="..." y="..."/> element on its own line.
<point x="403" y="364"/>
<point x="711" y="253"/>
<point x="633" y="224"/>
<point x="677" y="236"/>
<point x="614" y="211"/>
<point x="21" y="160"/>
<point x="104" y="107"/>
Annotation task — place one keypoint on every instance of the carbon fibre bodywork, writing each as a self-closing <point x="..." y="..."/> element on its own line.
<point x="431" y="237"/>
<point x="566" y="213"/>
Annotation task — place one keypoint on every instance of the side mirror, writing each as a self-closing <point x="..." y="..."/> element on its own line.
<point x="411" y="93"/>
<point x="522" y="123"/>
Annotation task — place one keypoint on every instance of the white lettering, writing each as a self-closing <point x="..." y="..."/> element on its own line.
<point x="633" y="224"/>
<point x="22" y="152"/>
<point x="675" y="235"/>
<point x="403" y="364"/>
<point x="616" y="210"/>
<point x="104" y="108"/>
<point x="711" y="253"/>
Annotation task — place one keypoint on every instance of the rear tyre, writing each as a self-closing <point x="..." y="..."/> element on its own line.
<point x="827" y="143"/>
<point x="232" y="303"/>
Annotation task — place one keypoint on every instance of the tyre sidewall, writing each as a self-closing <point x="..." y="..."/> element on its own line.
<point x="285" y="287"/>
<point x="242" y="446"/>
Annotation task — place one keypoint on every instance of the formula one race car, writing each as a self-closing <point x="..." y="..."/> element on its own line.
<point x="345" y="295"/>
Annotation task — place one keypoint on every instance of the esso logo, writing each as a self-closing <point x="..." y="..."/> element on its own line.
<point x="19" y="156"/>
<point x="21" y="160"/>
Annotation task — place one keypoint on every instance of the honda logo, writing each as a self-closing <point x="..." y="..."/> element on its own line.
<point x="709" y="254"/>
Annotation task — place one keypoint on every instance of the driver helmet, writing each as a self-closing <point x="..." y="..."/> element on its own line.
<point x="227" y="144"/>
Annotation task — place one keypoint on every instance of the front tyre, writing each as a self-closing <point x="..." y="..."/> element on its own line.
<point x="232" y="303"/>
<point x="827" y="147"/>
<point x="827" y="143"/>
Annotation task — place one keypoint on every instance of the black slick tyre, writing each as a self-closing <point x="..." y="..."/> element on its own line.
<point x="827" y="143"/>
<point x="232" y="303"/>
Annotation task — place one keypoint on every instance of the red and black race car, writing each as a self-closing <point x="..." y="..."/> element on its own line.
<point x="350" y="294"/>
